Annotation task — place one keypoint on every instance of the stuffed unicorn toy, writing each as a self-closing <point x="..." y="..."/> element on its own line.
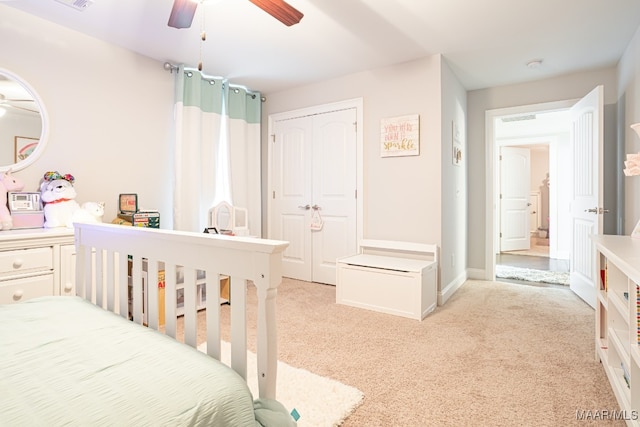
<point x="57" y="194"/>
<point x="7" y="183"/>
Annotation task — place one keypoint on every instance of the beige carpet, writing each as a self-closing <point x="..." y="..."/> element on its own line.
<point x="497" y="354"/>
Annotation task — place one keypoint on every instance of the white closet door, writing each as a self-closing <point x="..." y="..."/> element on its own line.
<point x="291" y="170"/>
<point x="313" y="170"/>
<point x="334" y="191"/>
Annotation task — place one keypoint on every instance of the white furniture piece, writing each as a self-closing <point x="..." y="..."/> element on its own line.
<point x="32" y="263"/>
<point x="224" y="216"/>
<point x="391" y="277"/>
<point x="246" y="261"/>
<point x="617" y="332"/>
<point x="161" y="380"/>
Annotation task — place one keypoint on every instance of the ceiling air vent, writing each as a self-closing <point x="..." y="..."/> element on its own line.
<point x="77" y="4"/>
<point x="519" y="118"/>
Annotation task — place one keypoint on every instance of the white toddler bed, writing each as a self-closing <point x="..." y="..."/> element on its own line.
<point x="81" y="361"/>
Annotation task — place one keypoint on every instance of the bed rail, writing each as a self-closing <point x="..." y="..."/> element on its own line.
<point x="109" y="257"/>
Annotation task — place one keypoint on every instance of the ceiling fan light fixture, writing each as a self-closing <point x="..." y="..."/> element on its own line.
<point x="182" y="13"/>
<point x="280" y="10"/>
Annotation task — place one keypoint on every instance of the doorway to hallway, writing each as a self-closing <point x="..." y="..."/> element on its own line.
<point x="524" y="197"/>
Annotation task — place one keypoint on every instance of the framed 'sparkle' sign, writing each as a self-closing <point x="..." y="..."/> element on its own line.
<point x="400" y="136"/>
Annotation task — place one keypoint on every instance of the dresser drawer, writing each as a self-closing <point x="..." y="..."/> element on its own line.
<point x="23" y="289"/>
<point x="22" y="261"/>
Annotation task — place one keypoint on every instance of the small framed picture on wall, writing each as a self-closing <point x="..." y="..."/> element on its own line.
<point x="400" y="136"/>
<point x="24" y="146"/>
<point x="456" y="145"/>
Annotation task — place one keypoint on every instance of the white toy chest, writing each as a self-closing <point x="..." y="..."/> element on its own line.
<point x="397" y="278"/>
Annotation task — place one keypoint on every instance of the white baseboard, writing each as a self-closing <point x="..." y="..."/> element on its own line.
<point x="476" y="274"/>
<point x="451" y="288"/>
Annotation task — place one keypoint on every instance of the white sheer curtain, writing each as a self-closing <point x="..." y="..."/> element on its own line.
<point x="217" y="150"/>
<point x="244" y="113"/>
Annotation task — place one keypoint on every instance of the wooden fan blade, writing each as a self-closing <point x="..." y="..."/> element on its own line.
<point x="25" y="109"/>
<point x="182" y="13"/>
<point x="19" y="108"/>
<point x="280" y="10"/>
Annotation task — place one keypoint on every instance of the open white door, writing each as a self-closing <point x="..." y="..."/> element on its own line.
<point x="515" y="190"/>
<point x="586" y="207"/>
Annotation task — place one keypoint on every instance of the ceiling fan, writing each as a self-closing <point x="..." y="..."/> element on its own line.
<point x="11" y="103"/>
<point x="183" y="11"/>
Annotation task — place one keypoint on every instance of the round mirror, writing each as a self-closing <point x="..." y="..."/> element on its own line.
<point x="23" y="125"/>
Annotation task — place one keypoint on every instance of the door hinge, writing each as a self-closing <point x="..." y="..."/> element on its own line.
<point x="273" y="137"/>
<point x="500" y="235"/>
<point x="500" y="157"/>
<point x="274" y="194"/>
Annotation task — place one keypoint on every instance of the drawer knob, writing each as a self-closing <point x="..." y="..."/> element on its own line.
<point x="17" y="263"/>
<point x="17" y="295"/>
<point x="68" y="287"/>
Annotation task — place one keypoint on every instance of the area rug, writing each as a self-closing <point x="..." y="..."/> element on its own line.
<point x="531" y="275"/>
<point x="319" y="401"/>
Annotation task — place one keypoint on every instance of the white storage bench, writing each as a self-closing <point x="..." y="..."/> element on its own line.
<point x="390" y="277"/>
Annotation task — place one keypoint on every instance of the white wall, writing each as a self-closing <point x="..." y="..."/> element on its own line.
<point x="453" y="251"/>
<point x="110" y="112"/>
<point x="402" y="194"/>
<point x="418" y="198"/>
<point x="629" y="113"/>
<point x="573" y="86"/>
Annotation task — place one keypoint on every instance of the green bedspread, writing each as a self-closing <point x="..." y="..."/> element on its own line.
<point x="64" y="361"/>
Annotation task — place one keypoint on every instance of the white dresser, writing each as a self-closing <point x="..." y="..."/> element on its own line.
<point x="36" y="262"/>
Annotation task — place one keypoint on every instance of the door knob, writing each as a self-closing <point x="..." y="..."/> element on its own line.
<point x="597" y="210"/>
<point x="305" y="207"/>
<point x="316" y="207"/>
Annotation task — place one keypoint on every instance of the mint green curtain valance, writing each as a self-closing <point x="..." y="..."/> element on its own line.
<point x="244" y="105"/>
<point x="203" y="92"/>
